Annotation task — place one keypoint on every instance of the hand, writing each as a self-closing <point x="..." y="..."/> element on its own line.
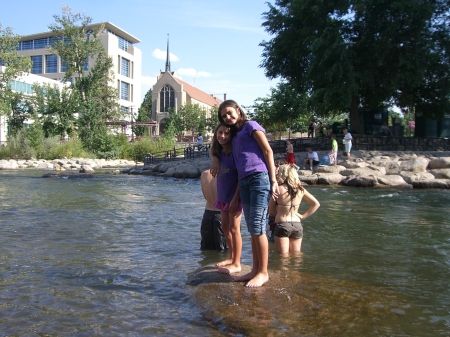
<point x="215" y="167"/>
<point x="274" y="191"/>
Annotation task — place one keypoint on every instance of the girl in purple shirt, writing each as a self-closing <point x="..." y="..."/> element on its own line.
<point x="228" y="199"/>
<point x="256" y="173"/>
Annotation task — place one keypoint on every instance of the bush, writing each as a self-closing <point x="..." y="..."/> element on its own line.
<point x="19" y="147"/>
<point x="157" y="147"/>
<point x="70" y="149"/>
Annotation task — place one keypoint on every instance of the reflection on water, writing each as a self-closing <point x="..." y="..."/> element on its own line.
<point x="110" y="255"/>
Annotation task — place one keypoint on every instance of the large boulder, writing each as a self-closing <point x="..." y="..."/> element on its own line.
<point x="393" y="181"/>
<point x="434" y="183"/>
<point x="329" y="178"/>
<point x="360" y="181"/>
<point x="414" y="177"/>
<point x="8" y="165"/>
<point x="183" y="170"/>
<point x="439" y="163"/>
<point x="415" y="165"/>
<point x="443" y="173"/>
<point x="364" y="171"/>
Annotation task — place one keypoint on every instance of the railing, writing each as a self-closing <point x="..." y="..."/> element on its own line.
<point x="366" y="142"/>
<point x="177" y="154"/>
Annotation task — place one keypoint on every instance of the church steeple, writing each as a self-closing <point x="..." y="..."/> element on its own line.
<point x="168" y="57"/>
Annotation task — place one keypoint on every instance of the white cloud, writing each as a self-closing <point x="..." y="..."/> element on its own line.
<point x="191" y="72"/>
<point x="161" y="55"/>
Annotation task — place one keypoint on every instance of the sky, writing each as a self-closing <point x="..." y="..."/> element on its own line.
<point x="213" y="45"/>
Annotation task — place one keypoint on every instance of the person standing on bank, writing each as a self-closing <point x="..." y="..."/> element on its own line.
<point x="288" y="229"/>
<point x="290" y="157"/>
<point x="213" y="237"/>
<point x="347" y="142"/>
<point x="228" y="198"/>
<point x="257" y="182"/>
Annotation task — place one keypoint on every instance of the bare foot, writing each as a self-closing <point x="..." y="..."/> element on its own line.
<point x="245" y="277"/>
<point x="224" y="263"/>
<point x="258" y="280"/>
<point x="230" y="269"/>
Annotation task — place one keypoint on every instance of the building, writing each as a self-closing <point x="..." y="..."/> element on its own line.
<point x="170" y="92"/>
<point x="119" y="45"/>
<point x="24" y="84"/>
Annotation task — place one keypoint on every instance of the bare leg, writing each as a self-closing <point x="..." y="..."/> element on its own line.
<point x="236" y="238"/>
<point x="295" y="245"/>
<point x="282" y="245"/>
<point x="262" y="249"/>
<point x="226" y="229"/>
<point x="255" y="264"/>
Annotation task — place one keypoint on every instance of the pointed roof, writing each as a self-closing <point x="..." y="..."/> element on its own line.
<point x="198" y="94"/>
<point x="168" y="56"/>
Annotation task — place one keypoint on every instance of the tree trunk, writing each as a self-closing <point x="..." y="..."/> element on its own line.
<point x="354" y="116"/>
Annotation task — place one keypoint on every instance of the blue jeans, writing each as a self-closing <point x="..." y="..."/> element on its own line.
<point x="255" y="194"/>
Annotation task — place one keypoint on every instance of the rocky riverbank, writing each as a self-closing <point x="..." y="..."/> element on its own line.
<point x="366" y="168"/>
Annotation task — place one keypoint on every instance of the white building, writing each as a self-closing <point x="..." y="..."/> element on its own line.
<point x="119" y="45"/>
<point x="24" y="84"/>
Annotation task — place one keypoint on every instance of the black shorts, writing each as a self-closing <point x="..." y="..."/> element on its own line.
<point x="211" y="231"/>
<point x="293" y="230"/>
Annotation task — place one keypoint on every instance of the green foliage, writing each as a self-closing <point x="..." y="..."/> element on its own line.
<point x="14" y="66"/>
<point x="347" y="54"/>
<point x="19" y="147"/>
<point x="71" y="149"/>
<point x="144" y="115"/>
<point x="156" y="147"/>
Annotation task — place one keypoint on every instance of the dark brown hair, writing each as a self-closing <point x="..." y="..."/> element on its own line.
<point x="237" y="107"/>
<point x="216" y="148"/>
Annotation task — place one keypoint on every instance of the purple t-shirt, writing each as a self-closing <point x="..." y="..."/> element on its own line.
<point x="247" y="154"/>
<point x="227" y="180"/>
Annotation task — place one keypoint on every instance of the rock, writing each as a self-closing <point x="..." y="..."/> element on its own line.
<point x="443" y="173"/>
<point x="415" y="165"/>
<point x="360" y="181"/>
<point x="413" y="177"/>
<point x="393" y="181"/>
<point x="439" y="163"/>
<point x="435" y="183"/>
<point x="366" y="171"/>
<point x="329" y="178"/>
<point x="86" y="169"/>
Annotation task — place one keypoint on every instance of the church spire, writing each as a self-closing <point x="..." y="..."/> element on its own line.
<point x="168" y="57"/>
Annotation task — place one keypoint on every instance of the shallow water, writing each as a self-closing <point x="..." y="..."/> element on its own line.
<point x="110" y="255"/>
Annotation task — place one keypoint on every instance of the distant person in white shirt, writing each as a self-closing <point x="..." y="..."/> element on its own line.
<point x="199" y="143"/>
<point x="348" y="143"/>
<point x="312" y="159"/>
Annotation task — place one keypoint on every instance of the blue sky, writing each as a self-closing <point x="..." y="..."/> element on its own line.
<point x="214" y="45"/>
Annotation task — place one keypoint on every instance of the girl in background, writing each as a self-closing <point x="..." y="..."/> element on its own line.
<point x="257" y="182"/>
<point x="288" y="229"/>
<point x="228" y="198"/>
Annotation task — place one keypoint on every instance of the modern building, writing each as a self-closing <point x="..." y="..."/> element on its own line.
<point x="119" y="45"/>
<point x="24" y="84"/>
<point x="170" y="92"/>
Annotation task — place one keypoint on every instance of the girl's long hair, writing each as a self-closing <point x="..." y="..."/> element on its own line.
<point x="239" y="110"/>
<point x="287" y="173"/>
<point x="216" y="148"/>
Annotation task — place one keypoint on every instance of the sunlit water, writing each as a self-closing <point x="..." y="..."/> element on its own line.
<point x="110" y="255"/>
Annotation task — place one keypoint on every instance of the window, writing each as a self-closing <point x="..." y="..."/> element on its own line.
<point x="51" y="64"/>
<point x="124" y="91"/>
<point x="26" y="45"/>
<point x="86" y="65"/>
<point x="36" y="68"/>
<point x="40" y="43"/>
<point x="63" y="66"/>
<point x="167" y="99"/>
<point x="52" y="40"/>
<point x="125" y="67"/>
<point x="21" y="87"/>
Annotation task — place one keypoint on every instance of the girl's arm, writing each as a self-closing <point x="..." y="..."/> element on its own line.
<point x="215" y="164"/>
<point x="313" y="205"/>
<point x="261" y="139"/>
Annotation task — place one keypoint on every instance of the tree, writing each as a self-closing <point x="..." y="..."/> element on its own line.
<point x="193" y="117"/>
<point x="14" y="66"/>
<point x="349" y="54"/>
<point x="144" y="114"/>
<point x="284" y="109"/>
<point x="78" y="42"/>
<point x="55" y="110"/>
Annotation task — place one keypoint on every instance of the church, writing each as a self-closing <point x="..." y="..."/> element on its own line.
<point x="170" y="92"/>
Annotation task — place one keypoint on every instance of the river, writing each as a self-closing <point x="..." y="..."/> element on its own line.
<point x="110" y="255"/>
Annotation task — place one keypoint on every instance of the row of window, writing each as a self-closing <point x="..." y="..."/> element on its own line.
<point x="23" y="87"/>
<point x="51" y="64"/>
<point x="50" y="41"/>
